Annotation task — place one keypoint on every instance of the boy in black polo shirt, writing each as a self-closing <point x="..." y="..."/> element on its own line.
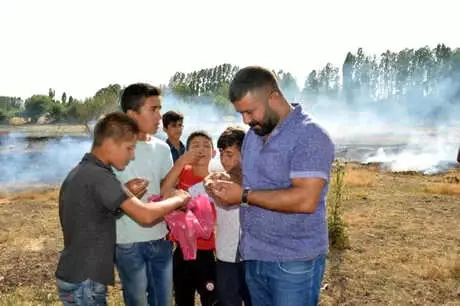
<point x="89" y="200"/>
<point x="173" y="125"/>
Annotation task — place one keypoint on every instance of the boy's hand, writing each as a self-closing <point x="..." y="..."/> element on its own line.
<point x="183" y="195"/>
<point x="137" y="186"/>
<point x="188" y="158"/>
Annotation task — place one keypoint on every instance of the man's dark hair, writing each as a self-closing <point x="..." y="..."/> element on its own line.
<point x="117" y="125"/>
<point x="249" y="79"/>
<point x="133" y="96"/>
<point x="232" y="136"/>
<point x="195" y="135"/>
<point x="171" y="117"/>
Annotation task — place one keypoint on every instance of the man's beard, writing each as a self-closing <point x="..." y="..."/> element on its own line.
<point x="267" y="126"/>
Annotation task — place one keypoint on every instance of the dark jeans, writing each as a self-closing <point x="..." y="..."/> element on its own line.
<point x="198" y="275"/>
<point x="293" y="283"/>
<point x="231" y="284"/>
<point x="86" y="293"/>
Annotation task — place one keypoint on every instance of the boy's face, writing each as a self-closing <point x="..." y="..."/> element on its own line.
<point x="121" y="152"/>
<point x="149" y="116"/>
<point x="230" y="157"/>
<point x="174" y="130"/>
<point x="204" y="150"/>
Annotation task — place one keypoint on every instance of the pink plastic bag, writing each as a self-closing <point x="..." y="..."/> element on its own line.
<point x="186" y="227"/>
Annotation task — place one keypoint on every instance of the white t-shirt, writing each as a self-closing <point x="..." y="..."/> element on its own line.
<point x="152" y="161"/>
<point x="227" y="232"/>
<point x="227" y="227"/>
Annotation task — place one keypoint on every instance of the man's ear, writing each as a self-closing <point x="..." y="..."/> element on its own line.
<point x="273" y="99"/>
<point x="213" y="153"/>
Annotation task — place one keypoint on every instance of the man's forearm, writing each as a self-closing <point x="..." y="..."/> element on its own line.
<point x="290" y="200"/>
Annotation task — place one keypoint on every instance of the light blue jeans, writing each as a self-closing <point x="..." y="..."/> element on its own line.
<point x="145" y="270"/>
<point x="293" y="283"/>
<point x="86" y="293"/>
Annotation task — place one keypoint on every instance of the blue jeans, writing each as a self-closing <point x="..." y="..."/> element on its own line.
<point x="145" y="270"/>
<point x="86" y="293"/>
<point x="295" y="283"/>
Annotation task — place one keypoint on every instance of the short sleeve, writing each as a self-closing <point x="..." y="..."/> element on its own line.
<point x="167" y="162"/>
<point x="313" y="155"/>
<point x="110" y="193"/>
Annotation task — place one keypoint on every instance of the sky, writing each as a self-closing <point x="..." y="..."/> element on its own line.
<point x="80" y="46"/>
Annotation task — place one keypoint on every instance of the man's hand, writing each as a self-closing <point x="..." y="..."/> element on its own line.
<point x="211" y="179"/>
<point x="137" y="186"/>
<point x="226" y="192"/>
<point x="236" y="174"/>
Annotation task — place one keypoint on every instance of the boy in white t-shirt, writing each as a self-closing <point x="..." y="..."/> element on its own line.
<point x="231" y="285"/>
<point x="143" y="255"/>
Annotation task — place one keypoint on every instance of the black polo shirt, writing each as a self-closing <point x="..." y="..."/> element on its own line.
<point x="89" y="199"/>
<point x="174" y="152"/>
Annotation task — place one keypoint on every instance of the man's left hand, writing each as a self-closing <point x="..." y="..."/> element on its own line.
<point x="227" y="193"/>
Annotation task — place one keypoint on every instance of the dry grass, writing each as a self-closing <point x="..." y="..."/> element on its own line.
<point x="404" y="244"/>
<point x="46" y="130"/>
<point x="443" y="188"/>
<point x="357" y="177"/>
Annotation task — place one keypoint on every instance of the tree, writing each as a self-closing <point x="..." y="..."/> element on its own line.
<point x="64" y="98"/>
<point x="58" y="112"/>
<point x="288" y="85"/>
<point x="347" y="76"/>
<point x="37" y="105"/>
<point x="51" y="93"/>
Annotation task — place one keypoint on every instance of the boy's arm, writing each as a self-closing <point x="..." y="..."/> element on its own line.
<point x="149" y="214"/>
<point x="172" y="179"/>
<point x="113" y="195"/>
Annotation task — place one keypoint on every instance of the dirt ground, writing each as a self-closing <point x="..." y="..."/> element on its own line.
<point x="403" y="229"/>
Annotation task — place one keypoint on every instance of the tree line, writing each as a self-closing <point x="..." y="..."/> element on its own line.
<point x="424" y="81"/>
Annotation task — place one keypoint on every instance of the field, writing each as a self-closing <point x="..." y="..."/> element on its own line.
<point x="45" y="130"/>
<point x="403" y="231"/>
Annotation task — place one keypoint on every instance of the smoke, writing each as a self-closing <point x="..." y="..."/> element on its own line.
<point x="27" y="160"/>
<point x="47" y="161"/>
<point x="401" y="136"/>
<point x="415" y="134"/>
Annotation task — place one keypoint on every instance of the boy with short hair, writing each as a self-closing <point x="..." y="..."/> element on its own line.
<point x="143" y="254"/>
<point x="89" y="200"/>
<point x="173" y="125"/>
<point x="231" y="285"/>
<point x="188" y="174"/>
